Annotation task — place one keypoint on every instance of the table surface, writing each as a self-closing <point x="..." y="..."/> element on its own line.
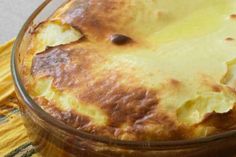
<point x="13" y="15"/>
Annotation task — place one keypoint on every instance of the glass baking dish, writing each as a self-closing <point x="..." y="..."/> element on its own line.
<point x="52" y="138"/>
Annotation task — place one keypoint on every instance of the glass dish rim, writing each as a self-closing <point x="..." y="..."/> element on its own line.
<point x="72" y="131"/>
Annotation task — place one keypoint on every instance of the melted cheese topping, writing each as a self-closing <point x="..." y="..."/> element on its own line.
<point x="172" y="81"/>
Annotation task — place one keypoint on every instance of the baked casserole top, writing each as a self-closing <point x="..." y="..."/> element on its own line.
<point x="135" y="69"/>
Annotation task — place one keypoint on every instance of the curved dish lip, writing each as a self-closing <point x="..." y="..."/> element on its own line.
<point x="153" y="145"/>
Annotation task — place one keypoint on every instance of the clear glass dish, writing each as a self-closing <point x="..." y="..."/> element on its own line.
<point x="52" y="138"/>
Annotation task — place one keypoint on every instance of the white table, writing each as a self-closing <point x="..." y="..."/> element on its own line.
<point x="13" y="14"/>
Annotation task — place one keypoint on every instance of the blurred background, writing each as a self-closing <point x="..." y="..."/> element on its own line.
<point x="13" y="14"/>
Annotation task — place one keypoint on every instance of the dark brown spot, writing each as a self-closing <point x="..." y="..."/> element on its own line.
<point x="216" y="88"/>
<point x="123" y="104"/>
<point x="229" y="39"/>
<point x="175" y="82"/>
<point x="120" y="39"/>
<point x="71" y="67"/>
<point x="233" y="16"/>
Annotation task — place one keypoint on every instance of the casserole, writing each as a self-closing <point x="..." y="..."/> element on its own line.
<point x="52" y="137"/>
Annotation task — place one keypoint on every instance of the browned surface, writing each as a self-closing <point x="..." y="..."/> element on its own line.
<point x="95" y="19"/>
<point x="68" y="117"/>
<point x="72" y="68"/>
<point x="220" y="121"/>
<point x="133" y="109"/>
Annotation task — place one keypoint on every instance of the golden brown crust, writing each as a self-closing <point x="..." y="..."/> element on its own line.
<point x="71" y="69"/>
<point x="101" y="83"/>
<point x="99" y="21"/>
<point x="64" y="65"/>
<point x="122" y="104"/>
<point x="69" y="117"/>
<point x="215" y="120"/>
<point x="95" y="20"/>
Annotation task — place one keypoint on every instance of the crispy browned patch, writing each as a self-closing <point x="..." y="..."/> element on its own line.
<point x="50" y="62"/>
<point x="97" y="20"/>
<point x="68" y="117"/>
<point x="221" y="121"/>
<point x="131" y="106"/>
<point x="53" y="62"/>
<point x="159" y="126"/>
<point x="74" y="119"/>
<point x="122" y="103"/>
<point x="150" y="127"/>
<point x="72" y="68"/>
<point x="68" y="66"/>
<point x="125" y="104"/>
